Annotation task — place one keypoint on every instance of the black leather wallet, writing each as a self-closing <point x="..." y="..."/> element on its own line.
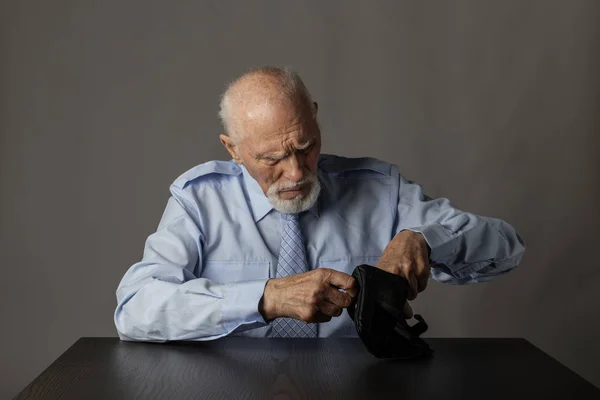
<point x="378" y="315"/>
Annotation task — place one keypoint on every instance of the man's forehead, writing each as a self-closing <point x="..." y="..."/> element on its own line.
<point x="272" y="123"/>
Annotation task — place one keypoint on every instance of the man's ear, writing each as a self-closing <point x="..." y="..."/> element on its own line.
<point x="231" y="147"/>
<point x="315" y="108"/>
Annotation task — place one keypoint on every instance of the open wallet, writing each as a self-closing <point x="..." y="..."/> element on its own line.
<point x="378" y="315"/>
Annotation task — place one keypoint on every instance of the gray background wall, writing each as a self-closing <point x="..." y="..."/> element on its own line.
<point x="494" y="105"/>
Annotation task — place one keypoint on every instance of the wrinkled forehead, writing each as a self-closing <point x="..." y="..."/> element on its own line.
<point x="270" y="125"/>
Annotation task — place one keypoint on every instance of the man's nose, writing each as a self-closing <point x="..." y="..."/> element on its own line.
<point x="294" y="169"/>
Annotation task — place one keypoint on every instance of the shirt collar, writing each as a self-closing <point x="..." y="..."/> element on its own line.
<point x="259" y="203"/>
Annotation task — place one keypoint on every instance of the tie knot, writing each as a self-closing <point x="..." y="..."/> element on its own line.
<point x="290" y="217"/>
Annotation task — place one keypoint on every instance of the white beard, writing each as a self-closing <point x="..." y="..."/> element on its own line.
<point x="299" y="203"/>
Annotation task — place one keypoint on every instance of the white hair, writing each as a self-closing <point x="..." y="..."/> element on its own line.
<point x="292" y="89"/>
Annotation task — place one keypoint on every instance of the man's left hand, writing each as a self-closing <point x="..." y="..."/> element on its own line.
<point x="407" y="255"/>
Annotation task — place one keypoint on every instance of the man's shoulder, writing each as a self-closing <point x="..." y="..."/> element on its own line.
<point x="334" y="164"/>
<point x="211" y="171"/>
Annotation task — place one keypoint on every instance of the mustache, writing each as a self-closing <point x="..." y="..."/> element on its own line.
<point x="291" y="185"/>
<point x="277" y="187"/>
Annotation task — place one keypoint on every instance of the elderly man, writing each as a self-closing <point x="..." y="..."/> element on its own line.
<point x="264" y="245"/>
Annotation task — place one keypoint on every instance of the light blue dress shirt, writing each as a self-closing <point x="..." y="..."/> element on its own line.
<point x="204" y="270"/>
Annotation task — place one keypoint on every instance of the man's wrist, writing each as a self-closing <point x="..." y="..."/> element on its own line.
<point x="421" y="236"/>
<point x="426" y="244"/>
<point x="265" y="305"/>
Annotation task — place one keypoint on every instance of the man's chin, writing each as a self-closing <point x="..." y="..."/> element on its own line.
<point x="292" y="205"/>
<point x="290" y="202"/>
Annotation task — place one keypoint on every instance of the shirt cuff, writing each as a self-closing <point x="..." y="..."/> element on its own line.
<point x="439" y="239"/>
<point x="240" y="305"/>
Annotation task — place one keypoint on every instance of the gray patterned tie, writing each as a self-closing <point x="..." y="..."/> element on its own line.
<point x="292" y="260"/>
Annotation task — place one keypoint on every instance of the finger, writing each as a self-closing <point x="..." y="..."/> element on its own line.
<point x="321" y="318"/>
<point x="336" y="297"/>
<point x="408" y="312"/>
<point x="352" y="288"/>
<point x="329" y="309"/>
<point x="342" y="281"/>
<point x="423" y="278"/>
<point x="412" y="286"/>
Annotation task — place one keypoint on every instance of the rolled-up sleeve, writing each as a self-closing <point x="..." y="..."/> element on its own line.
<point x="160" y="298"/>
<point x="465" y="248"/>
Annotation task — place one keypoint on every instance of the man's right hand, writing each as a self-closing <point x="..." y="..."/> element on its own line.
<point x="312" y="296"/>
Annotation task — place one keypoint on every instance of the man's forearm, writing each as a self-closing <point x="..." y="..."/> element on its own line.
<point x="195" y="310"/>
<point x="489" y="247"/>
<point x="462" y="244"/>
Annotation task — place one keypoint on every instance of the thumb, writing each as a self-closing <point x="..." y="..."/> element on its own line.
<point x="408" y="312"/>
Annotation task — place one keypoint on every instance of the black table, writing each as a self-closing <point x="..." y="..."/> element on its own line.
<point x="245" y="368"/>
